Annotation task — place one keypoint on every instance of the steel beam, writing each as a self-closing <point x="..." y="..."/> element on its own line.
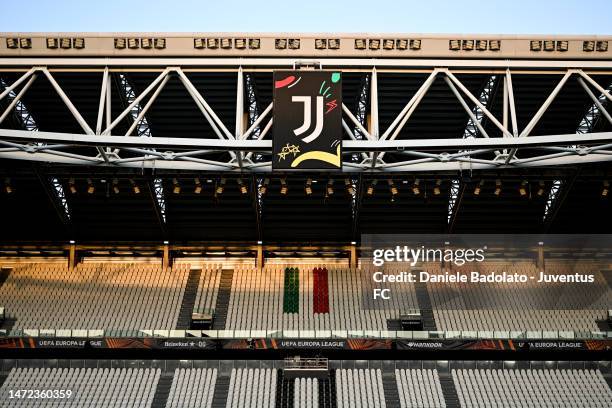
<point x="288" y="63"/>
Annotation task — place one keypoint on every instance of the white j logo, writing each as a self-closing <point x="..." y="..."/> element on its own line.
<point x="307" y="117"/>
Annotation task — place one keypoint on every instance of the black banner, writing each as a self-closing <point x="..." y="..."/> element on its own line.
<point x="155" y="343"/>
<point x="307" y="120"/>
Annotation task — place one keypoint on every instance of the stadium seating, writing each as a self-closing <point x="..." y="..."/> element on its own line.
<point x="298" y="297"/>
<point x="94" y="296"/>
<point x="252" y="387"/>
<point x="520" y="306"/>
<point x="258" y="300"/>
<point x="191" y="387"/>
<point x="306" y="393"/>
<point x="90" y="387"/>
<point x="533" y="388"/>
<point x="419" y="388"/>
<point x="359" y="388"/>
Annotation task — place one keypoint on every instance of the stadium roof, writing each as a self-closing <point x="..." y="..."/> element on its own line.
<point x="419" y="115"/>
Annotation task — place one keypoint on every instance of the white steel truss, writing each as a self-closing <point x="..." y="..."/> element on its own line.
<point x="29" y="124"/>
<point x="481" y="150"/>
<point x="586" y="125"/>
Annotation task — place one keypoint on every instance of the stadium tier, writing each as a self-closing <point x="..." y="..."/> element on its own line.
<point x="229" y="384"/>
<point x="132" y="297"/>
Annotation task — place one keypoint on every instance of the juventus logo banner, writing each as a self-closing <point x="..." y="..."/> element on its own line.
<point x="307" y="120"/>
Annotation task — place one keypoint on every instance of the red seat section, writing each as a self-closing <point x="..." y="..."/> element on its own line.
<point x="320" y="291"/>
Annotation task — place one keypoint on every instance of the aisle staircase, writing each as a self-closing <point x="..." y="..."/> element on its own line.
<point x="223" y="299"/>
<point x="189" y="299"/>
<point x="429" y="321"/>
<point x="449" y="391"/>
<point x="163" y="390"/>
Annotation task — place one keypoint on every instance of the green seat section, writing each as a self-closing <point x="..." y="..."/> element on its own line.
<point x="291" y="298"/>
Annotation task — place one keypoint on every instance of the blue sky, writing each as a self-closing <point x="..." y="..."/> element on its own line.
<point x="423" y="16"/>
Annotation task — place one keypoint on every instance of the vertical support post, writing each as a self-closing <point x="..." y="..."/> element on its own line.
<point x="374" y="129"/>
<point x="259" y="261"/>
<point x="166" y="261"/>
<point x="372" y="119"/>
<point x="72" y="256"/>
<point x="353" y="259"/>
<point x="239" y="129"/>
<point x="540" y="263"/>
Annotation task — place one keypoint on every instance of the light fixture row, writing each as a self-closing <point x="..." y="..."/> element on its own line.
<point x="478" y="45"/>
<point x="373" y="44"/>
<point x="136" y="43"/>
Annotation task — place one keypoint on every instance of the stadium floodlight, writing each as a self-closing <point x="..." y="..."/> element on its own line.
<point x="360" y="44"/>
<point x="280" y="43"/>
<point x="65" y="43"/>
<point x="541" y="188"/>
<point x="240" y="43"/>
<point x="498" y="187"/>
<point x="116" y="186"/>
<point x="90" y="187"/>
<point x="523" y="188"/>
<point x="333" y="43"/>
<point x="294" y="44"/>
<point x="8" y="187"/>
<point x="176" y="187"/>
<point x="159" y="43"/>
<point x="437" y="189"/>
<point x="588" y="46"/>
<point x="602" y="46"/>
<point x="481" y="45"/>
<point x="330" y="187"/>
<point x="53" y="43"/>
<point x="468" y="45"/>
<point x="549" y="45"/>
<point x="243" y="187"/>
<point x="147" y="43"/>
<point x="374" y="44"/>
<point x="308" y="187"/>
<point x="78" y="43"/>
<point x="226" y="43"/>
<point x="392" y="187"/>
<point x="71" y="185"/>
<point x="606" y="188"/>
<point x="133" y="43"/>
<point x="263" y="188"/>
<point x="401" y="44"/>
<point x="198" y="186"/>
<point x="12" y="43"/>
<point x="454" y="45"/>
<point x="120" y="43"/>
<point x="199" y="43"/>
<point x="220" y="186"/>
<point x="284" y="187"/>
<point x="212" y="43"/>
<point x="320" y="44"/>
<point x="388" y="44"/>
<point x="25" y="43"/>
<point x="416" y="187"/>
<point x="135" y="187"/>
<point x="478" y="188"/>
<point x="562" y="46"/>
<point x="535" y="45"/>
<point x="371" y="188"/>
<point x="495" y="45"/>
<point x="415" y="44"/>
<point x="349" y="186"/>
<point x="254" y="43"/>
